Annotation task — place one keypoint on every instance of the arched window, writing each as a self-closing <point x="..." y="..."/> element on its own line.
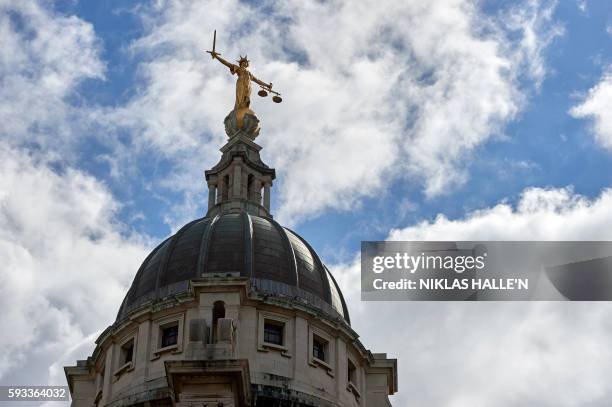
<point x="218" y="312"/>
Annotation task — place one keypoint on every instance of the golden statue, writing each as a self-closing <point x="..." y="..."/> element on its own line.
<point x="242" y="105"/>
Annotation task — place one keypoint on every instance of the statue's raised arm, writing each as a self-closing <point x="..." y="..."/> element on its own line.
<point x="216" y="55"/>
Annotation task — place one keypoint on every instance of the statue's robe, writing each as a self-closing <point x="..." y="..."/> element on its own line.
<point x="243" y="87"/>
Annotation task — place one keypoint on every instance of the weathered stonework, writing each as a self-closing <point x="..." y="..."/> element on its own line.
<point x="236" y="372"/>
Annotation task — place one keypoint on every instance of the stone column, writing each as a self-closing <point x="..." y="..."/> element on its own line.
<point x="267" y="186"/>
<point x="220" y="190"/>
<point x="212" y="195"/>
<point x="109" y="367"/>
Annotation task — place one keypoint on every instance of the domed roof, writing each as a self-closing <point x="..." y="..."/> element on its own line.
<point x="276" y="260"/>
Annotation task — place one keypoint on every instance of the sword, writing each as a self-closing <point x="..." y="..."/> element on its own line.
<point x="213" y="53"/>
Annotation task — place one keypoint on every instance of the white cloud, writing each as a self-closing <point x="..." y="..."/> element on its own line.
<point x="540" y="214"/>
<point x="44" y="56"/>
<point x="597" y="106"/>
<point x="372" y="93"/>
<point x="494" y="353"/>
<point x="534" y="20"/>
<point x="66" y="262"/>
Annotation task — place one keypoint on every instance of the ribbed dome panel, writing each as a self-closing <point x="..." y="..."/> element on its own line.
<point x="182" y="263"/>
<point x="308" y="272"/>
<point x="276" y="260"/>
<point x="272" y="257"/>
<point x="226" y="248"/>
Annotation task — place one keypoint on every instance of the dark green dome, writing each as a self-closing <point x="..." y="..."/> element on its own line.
<point x="276" y="260"/>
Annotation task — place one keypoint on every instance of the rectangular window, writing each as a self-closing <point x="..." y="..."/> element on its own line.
<point x="169" y="335"/>
<point x="352" y="373"/>
<point x="319" y="348"/>
<point x="127" y="351"/>
<point x="273" y="332"/>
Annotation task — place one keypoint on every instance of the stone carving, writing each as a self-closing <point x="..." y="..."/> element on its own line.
<point x="225" y="330"/>
<point x="198" y="331"/>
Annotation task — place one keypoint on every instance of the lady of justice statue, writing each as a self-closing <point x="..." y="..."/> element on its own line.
<point x="243" y="85"/>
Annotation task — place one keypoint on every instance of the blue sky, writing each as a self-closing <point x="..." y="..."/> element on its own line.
<point x="442" y="120"/>
<point x="543" y="146"/>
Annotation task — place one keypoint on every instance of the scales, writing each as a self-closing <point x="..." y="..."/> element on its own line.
<point x="263" y="92"/>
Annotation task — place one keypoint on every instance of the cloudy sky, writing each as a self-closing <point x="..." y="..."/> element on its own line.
<point x="449" y="119"/>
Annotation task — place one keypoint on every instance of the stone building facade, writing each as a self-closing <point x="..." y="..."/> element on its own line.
<point x="233" y="310"/>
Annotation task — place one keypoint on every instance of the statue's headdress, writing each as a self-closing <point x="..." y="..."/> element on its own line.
<point x="243" y="59"/>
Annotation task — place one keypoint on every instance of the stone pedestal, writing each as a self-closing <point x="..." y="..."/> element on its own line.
<point x="243" y="123"/>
